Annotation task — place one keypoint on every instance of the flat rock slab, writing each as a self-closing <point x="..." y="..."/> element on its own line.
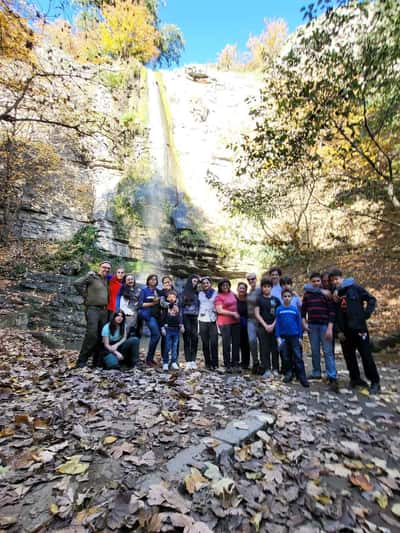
<point x="244" y="428"/>
<point x="225" y="439"/>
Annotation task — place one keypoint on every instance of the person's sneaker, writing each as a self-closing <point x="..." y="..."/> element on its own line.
<point x="237" y="370"/>
<point x="311" y="377"/>
<point x="188" y="365"/>
<point x="267" y="375"/>
<point x="275" y="373"/>
<point x="194" y="365"/>
<point x="175" y="366"/>
<point x="151" y="364"/>
<point x="165" y="367"/>
<point x="358" y="383"/>
<point x="304" y="383"/>
<point x="375" y="388"/>
<point x="334" y="385"/>
<point x="229" y="370"/>
<point x="287" y="378"/>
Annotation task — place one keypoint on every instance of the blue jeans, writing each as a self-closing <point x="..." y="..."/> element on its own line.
<point x="171" y="345"/>
<point x="252" y="326"/>
<point x="129" y="349"/>
<point x="154" y="328"/>
<point x="317" y="339"/>
<point x="292" y="356"/>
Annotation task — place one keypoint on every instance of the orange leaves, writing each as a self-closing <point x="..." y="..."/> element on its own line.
<point x="16" y="38"/>
<point x="362" y="481"/>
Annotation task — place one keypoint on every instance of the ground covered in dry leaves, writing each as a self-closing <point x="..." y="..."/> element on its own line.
<point x="87" y="450"/>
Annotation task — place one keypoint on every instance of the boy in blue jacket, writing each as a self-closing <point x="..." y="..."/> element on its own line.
<point x="289" y="332"/>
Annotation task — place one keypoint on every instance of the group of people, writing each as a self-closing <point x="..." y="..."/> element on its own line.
<point x="261" y="325"/>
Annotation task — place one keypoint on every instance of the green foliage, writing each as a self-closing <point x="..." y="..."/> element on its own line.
<point x="329" y="113"/>
<point x="171" y="45"/>
<point x="128" y="203"/>
<point x="113" y="80"/>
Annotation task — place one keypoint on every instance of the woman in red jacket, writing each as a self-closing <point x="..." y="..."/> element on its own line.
<point x="228" y="321"/>
<point x="114" y="285"/>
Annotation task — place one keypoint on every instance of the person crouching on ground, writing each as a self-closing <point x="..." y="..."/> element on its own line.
<point x="289" y="334"/>
<point x="117" y="348"/>
<point x="171" y="326"/>
<point x="354" y="307"/>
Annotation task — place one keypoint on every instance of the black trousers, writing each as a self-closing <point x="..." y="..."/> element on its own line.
<point x="190" y="337"/>
<point x="96" y="317"/>
<point x="268" y="350"/>
<point x="230" y="344"/>
<point x="209" y="340"/>
<point x="244" y="347"/>
<point x="359" y="340"/>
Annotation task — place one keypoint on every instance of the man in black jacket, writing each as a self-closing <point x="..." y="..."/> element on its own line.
<point x="354" y="306"/>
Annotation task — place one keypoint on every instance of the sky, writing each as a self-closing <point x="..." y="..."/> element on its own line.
<point x="208" y="25"/>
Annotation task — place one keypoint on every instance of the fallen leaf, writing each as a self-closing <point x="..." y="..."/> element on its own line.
<point x="381" y="499"/>
<point x="109" y="440"/>
<point x="338" y="469"/>
<point x="54" y="508"/>
<point x="195" y="481"/>
<point x="396" y="509"/>
<point x="73" y="467"/>
<point x="256" y="520"/>
<point x="361" y="481"/>
<point x="212" y="472"/>
<point x="223" y="486"/>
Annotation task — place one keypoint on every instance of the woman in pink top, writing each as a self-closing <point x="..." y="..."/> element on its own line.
<point x="228" y="321"/>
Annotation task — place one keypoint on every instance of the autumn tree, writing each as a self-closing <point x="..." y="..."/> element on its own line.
<point x="329" y="115"/>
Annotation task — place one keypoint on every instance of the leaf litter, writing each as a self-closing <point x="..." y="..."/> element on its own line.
<point x="88" y="450"/>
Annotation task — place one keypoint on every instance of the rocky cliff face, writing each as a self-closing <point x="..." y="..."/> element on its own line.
<point x="94" y="178"/>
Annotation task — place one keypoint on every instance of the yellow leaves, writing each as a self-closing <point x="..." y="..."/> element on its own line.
<point x="73" y="467"/>
<point x="128" y="30"/>
<point x="109" y="440"/>
<point x="195" y="481"/>
<point x="223" y="487"/>
<point x="16" y="38"/>
<point x="54" y="508"/>
<point x="381" y="499"/>
<point x="6" y="432"/>
<point x="256" y="520"/>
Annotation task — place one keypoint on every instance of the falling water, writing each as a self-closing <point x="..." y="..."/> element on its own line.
<point x="157" y="189"/>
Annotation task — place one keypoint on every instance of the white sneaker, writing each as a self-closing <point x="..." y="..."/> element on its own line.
<point x="194" y="366"/>
<point x="165" y="367"/>
<point x="189" y="365"/>
<point x="175" y="366"/>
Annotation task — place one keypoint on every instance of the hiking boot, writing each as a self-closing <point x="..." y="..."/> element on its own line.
<point x="375" y="388"/>
<point x="334" y="385"/>
<point x="304" y="383"/>
<point x="151" y="364"/>
<point x="287" y="378"/>
<point x="358" y="383"/>
<point x="255" y="368"/>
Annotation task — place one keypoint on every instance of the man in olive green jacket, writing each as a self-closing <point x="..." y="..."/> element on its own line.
<point x="94" y="289"/>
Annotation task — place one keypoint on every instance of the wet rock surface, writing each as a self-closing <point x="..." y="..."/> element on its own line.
<point x="89" y="450"/>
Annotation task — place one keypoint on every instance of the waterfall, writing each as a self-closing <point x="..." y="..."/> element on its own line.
<point x="159" y="191"/>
